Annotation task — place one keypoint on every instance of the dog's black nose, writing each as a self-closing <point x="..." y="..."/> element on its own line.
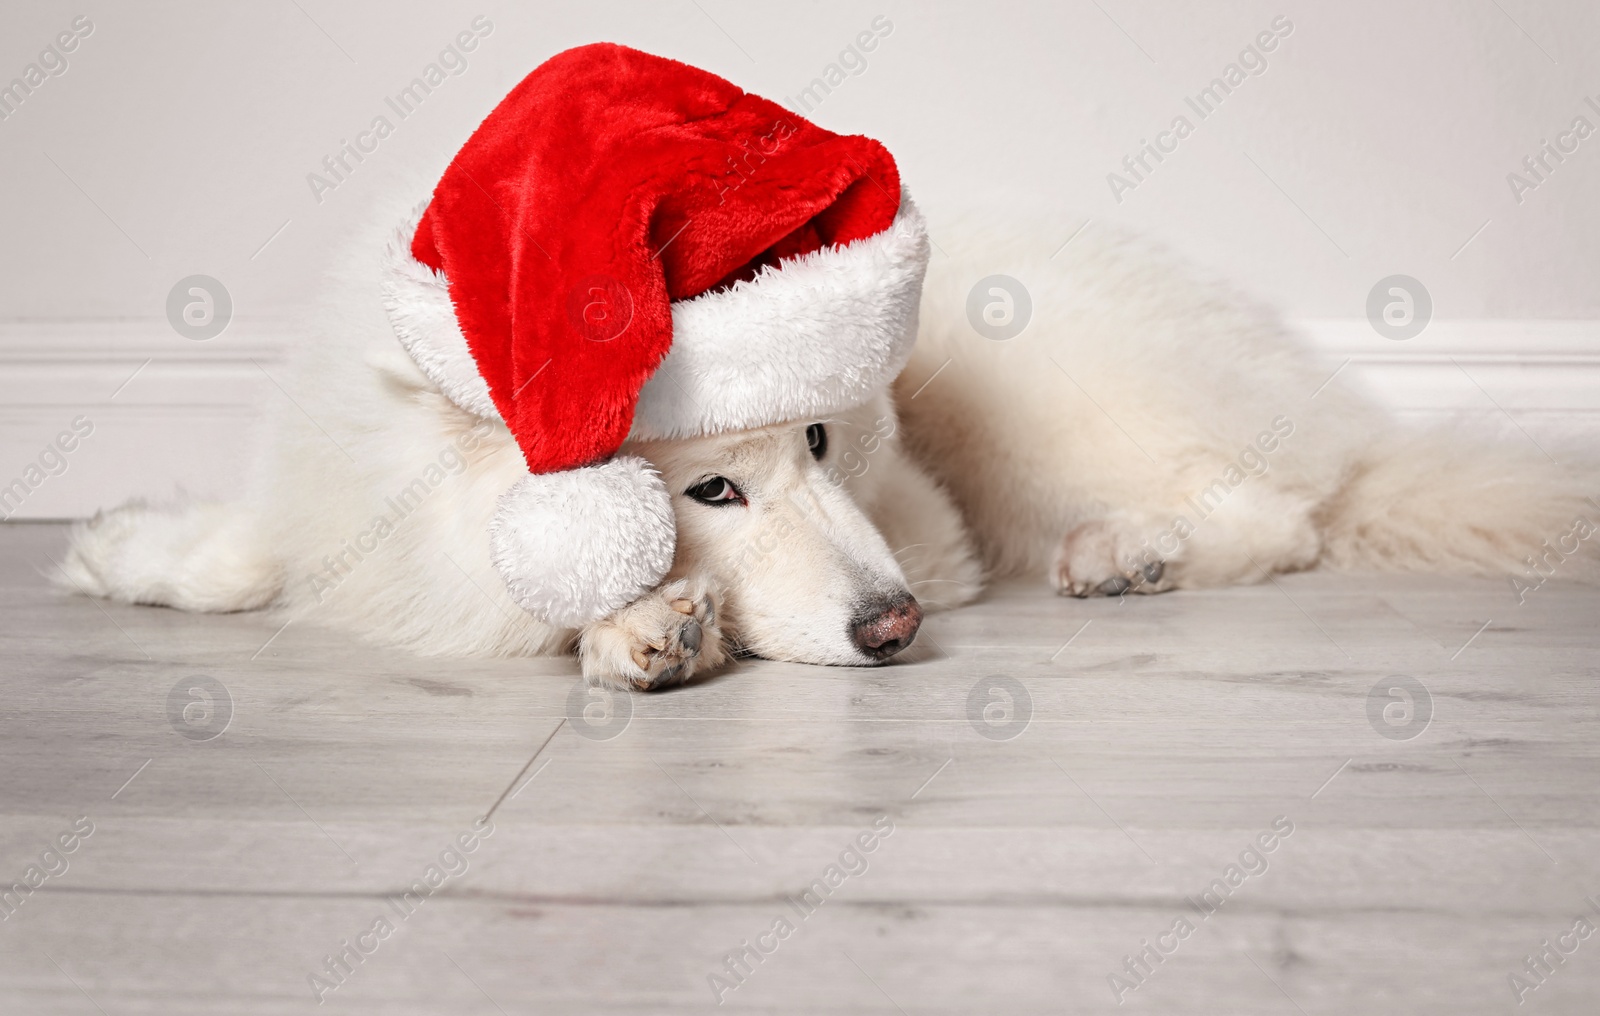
<point x="887" y="627"/>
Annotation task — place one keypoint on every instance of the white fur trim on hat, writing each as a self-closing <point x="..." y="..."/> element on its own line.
<point x="574" y="546"/>
<point x="418" y="301"/>
<point x="818" y="334"/>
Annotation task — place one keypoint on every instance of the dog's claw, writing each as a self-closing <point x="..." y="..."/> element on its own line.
<point x="1103" y="557"/>
<point x="664" y="638"/>
<point x="667" y="678"/>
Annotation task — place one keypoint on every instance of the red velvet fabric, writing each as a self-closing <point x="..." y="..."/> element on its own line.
<point x="606" y="185"/>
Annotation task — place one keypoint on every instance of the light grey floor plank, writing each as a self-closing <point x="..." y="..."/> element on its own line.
<point x="1166" y="733"/>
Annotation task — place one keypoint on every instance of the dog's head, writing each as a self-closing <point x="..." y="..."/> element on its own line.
<point x="805" y="574"/>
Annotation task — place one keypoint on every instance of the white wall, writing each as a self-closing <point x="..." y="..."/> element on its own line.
<point x="1377" y="141"/>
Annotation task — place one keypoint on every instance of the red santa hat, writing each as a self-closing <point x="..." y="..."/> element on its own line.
<point x="631" y="247"/>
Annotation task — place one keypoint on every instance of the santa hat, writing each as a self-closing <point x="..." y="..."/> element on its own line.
<point x="629" y="246"/>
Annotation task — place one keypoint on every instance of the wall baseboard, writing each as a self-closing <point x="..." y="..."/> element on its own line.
<point x="1530" y="369"/>
<point x="168" y="413"/>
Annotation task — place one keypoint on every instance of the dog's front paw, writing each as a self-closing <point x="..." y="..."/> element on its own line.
<point x="665" y="637"/>
<point x="1106" y="558"/>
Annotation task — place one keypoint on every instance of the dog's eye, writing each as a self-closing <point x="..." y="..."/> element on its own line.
<point x="817" y="440"/>
<point x="716" y="491"/>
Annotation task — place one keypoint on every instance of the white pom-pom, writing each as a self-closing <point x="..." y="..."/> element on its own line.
<point x="576" y="545"/>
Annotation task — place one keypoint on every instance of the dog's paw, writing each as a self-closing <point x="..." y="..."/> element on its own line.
<point x="1106" y="557"/>
<point x="665" y="637"/>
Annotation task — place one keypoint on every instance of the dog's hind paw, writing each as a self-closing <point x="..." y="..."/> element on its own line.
<point x="1106" y="558"/>
<point x="665" y="637"/>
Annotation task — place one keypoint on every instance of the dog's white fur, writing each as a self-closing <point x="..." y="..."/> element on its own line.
<point x="1078" y="444"/>
<point x="1070" y="450"/>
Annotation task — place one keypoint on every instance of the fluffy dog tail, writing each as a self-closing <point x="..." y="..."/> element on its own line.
<point x="1430" y="502"/>
<point x="201" y="555"/>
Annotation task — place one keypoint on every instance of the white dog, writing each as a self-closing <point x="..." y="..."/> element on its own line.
<point x="1147" y="430"/>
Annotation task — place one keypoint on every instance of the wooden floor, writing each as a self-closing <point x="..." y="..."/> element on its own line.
<point x="1431" y="850"/>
